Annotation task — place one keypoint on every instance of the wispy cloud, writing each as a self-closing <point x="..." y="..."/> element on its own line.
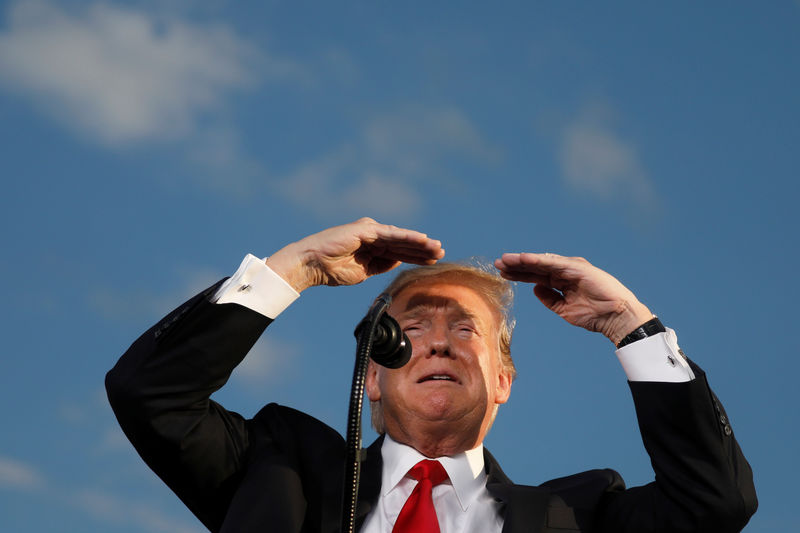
<point x="113" y="440"/>
<point x="136" y="303"/>
<point x="268" y="360"/>
<point x="17" y="475"/>
<point x="119" y="75"/>
<point x="101" y="504"/>
<point x="340" y="66"/>
<point x="115" y="510"/>
<point x="386" y="165"/>
<point x="596" y="160"/>
<point x="91" y="414"/>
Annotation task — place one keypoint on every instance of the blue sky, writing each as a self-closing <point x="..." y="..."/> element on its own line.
<point x="147" y="146"/>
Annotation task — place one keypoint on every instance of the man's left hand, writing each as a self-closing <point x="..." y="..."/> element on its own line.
<point x="578" y="292"/>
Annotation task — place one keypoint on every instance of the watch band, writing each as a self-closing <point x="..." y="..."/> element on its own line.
<point x="648" y="329"/>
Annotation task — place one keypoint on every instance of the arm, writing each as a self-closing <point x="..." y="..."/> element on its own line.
<point x="703" y="482"/>
<point x="160" y="389"/>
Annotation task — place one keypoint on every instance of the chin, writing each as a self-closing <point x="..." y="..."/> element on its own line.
<point x="442" y="410"/>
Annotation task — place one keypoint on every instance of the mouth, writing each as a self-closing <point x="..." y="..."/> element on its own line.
<point x="440" y="377"/>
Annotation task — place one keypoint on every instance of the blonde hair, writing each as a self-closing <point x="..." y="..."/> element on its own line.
<point x="481" y="278"/>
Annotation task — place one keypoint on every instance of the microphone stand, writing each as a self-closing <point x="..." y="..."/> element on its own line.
<point x="392" y="349"/>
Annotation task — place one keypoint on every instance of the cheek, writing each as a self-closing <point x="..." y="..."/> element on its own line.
<point x="389" y="380"/>
<point x="489" y="363"/>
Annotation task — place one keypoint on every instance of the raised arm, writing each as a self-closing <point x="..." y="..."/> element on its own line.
<point x="160" y="388"/>
<point x="703" y="482"/>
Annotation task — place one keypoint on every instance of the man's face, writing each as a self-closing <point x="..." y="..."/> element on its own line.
<point x="454" y="380"/>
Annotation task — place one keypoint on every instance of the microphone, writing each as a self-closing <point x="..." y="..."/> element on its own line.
<point x="390" y="346"/>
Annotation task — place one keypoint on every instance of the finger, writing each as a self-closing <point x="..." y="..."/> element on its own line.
<point x="551" y="298"/>
<point x="427" y="249"/>
<point x="390" y="233"/>
<point x="552" y="280"/>
<point x="398" y="251"/>
<point x="527" y="259"/>
<point x="401" y="252"/>
<point x="400" y="255"/>
<point x="406" y="241"/>
<point x="379" y="265"/>
<point x="526" y="277"/>
<point x="549" y="264"/>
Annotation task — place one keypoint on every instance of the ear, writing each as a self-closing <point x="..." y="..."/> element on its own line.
<point x="503" y="390"/>
<point x="371" y="383"/>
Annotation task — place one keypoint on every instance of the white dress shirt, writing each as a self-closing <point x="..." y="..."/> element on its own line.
<point x="463" y="505"/>
<point x="462" y="502"/>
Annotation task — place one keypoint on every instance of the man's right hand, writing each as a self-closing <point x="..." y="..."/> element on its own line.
<point x="349" y="254"/>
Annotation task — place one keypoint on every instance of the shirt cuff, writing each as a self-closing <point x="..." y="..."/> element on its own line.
<point x="656" y="358"/>
<point x="257" y="287"/>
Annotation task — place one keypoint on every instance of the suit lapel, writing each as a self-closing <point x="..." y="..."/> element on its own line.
<point x="524" y="507"/>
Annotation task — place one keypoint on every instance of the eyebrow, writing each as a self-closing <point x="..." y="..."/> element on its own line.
<point x="420" y="302"/>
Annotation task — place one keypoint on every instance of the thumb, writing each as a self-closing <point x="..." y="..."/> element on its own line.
<point x="550" y="297"/>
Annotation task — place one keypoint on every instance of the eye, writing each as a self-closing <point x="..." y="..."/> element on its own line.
<point x="465" y="330"/>
<point x="411" y="328"/>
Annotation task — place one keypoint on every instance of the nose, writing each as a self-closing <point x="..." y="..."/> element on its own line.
<point x="438" y="342"/>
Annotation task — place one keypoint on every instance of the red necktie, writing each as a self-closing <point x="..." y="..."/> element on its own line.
<point x="418" y="514"/>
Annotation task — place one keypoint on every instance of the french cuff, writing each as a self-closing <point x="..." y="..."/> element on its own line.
<point x="656" y="358"/>
<point x="257" y="287"/>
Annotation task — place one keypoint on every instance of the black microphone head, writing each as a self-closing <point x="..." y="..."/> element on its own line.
<point x="390" y="346"/>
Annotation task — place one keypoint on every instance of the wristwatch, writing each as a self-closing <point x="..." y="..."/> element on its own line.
<point x="648" y="329"/>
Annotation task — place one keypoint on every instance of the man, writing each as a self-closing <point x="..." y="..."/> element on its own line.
<point x="282" y="470"/>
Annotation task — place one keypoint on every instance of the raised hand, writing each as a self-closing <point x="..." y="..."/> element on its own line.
<point x="578" y="292"/>
<point x="349" y="254"/>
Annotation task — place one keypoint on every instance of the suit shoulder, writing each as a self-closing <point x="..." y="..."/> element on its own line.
<point x="280" y="422"/>
<point x="583" y="490"/>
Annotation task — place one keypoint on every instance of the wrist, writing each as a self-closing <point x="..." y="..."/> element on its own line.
<point x="290" y="264"/>
<point x="632" y="316"/>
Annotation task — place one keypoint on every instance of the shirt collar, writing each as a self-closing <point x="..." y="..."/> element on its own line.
<point x="465" y="470"/>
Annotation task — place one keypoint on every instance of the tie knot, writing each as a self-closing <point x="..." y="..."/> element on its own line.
<point x="430" y="470"/>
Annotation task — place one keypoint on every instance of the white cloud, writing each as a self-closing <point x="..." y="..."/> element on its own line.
<point x="268" y="360"/>
<point x="383" y="169"/>
<point x="596" y="160"/>
<point x="338" y="184"/>
<point x="220" y="149"/>
<point x="377" y="190"/>
<point x="114" y="440"/>
<point x="135" y="303"/>
<point x="72" y="413"/>
<point x="98" y="503"/>
<point x="17" y="475"/>
<point x="423" y="135"/>
<point x="119" y="75"/>
<point x="111" y="509"/>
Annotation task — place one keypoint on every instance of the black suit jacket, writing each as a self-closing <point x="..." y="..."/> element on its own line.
<point x="282" y="470"/>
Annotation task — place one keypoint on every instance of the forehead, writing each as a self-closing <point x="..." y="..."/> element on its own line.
<point x="452" y="297"/>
